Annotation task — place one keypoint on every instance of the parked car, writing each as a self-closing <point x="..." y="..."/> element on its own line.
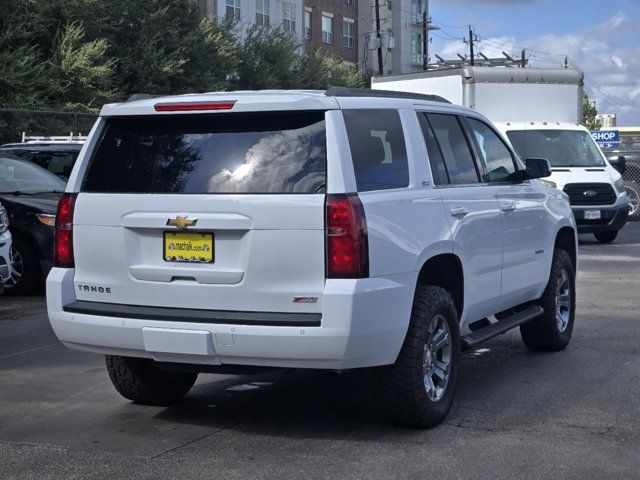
<point x="30" y="195"/>
<point x="336" y="230"/>
<point x="5" y="248"/>
<point x="56" y="154"/>
<point x="631" y="176"/>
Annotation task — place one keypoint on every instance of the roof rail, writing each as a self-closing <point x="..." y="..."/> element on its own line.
<point x="72" y="137"/>
<point x="367" y="92"/>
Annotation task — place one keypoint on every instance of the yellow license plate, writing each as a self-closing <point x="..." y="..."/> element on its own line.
<point x="191" y="247"/>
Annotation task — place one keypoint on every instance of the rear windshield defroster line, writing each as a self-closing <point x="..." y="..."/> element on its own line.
<point x="266" y="152"/>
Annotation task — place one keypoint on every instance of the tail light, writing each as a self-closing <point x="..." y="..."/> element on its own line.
<point x="347" y="243"/>
<point x="63" y="242"/>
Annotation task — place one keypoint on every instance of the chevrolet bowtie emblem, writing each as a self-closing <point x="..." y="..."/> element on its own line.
<point x="182" y="222"/>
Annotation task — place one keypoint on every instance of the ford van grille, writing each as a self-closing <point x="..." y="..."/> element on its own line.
<point x="590" y="193"/>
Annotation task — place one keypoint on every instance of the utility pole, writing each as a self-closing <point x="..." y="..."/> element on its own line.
<point x="471" y="39"/>
<point x="380" y="70"/>
<point x="425" y="29"/>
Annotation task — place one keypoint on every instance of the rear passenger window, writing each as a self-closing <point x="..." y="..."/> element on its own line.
<point x="454" y="147"/>
<point x="438" y="170"/>
<point x="377" y="148"/>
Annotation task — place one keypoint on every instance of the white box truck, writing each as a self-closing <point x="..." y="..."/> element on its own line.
<point x="539" y="110"/>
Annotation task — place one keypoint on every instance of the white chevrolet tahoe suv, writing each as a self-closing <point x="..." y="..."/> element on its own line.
<point x="329" y="230"/>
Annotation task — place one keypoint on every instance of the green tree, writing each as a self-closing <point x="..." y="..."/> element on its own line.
<point x="589" y="112"/>
<point x="81" y="74"/>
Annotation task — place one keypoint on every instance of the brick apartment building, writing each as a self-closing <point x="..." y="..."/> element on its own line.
<point x="332" y="27"/>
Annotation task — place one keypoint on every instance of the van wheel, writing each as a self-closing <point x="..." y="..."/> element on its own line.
<point x="417" y="390"/>
<point x="606" y="237"/>
<point x="141" y="381"/>
<point x="552" y="330"/>
<point x="633" y="194"/>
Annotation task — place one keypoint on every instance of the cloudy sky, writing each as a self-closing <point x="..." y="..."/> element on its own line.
<point x="602" y="38"/>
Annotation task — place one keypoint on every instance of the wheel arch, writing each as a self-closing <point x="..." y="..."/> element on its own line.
<point x="566" y="239"/>
<point x="445" y="270"/>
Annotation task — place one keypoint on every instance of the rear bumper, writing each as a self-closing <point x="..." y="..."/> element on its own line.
<point x="363" y="323"/>
<point x="613" y="219"/>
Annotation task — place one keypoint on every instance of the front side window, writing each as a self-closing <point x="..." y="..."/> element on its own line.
<point x="262" y="12"/>
<point x="453" y="144"/>
<point x="563" y="148"/>
<point x="232" y="9"/>
<point x="347" y="32"/>
<point x="498" y="162"/>
<point x="378" y="149"/>
<point x="288" y="17"/>
<point x="268" y="152"/>
<point x="327" y="29"/>
<point x="307" y="25"/>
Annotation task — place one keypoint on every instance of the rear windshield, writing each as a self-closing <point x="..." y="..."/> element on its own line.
<point x="274" y="152"/>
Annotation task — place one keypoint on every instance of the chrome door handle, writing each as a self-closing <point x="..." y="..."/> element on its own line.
<point x="508" y="206"/>
<point x="459" y="212"/>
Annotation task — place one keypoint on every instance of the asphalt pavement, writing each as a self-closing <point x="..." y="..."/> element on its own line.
<point x="517" y="414"/>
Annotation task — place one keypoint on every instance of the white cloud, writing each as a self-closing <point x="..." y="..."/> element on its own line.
<point x="607" y="52"/>
<point x="272" y="164"/>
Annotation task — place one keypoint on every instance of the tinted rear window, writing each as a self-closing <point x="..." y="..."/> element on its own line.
<point x="377" y="147"/>
<point x="274" y="152"/>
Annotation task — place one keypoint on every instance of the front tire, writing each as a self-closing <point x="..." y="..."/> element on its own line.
<point x="633" y="194"/>
<point x="25" y="276"/>
<point x="552" y="331"/>
<point x="141" y="381"/>
<point x="418" y="389"/>
<point x="606" y="237"/>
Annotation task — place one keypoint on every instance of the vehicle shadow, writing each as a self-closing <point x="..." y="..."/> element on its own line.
<point x="290" y="403"/>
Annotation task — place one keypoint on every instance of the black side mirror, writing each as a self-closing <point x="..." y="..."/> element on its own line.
<point x="619" y="163"/>
<point x="537" y="167"/>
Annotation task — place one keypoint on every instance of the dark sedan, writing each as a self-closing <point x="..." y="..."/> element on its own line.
<point x="57" y="157"/>
<point x="30" y="195"/>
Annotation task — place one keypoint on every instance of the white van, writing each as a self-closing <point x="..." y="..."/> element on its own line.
<point x="595" y="188"/>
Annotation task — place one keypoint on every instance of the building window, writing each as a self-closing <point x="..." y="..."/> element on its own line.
<point x="327" y="29"/>
<point x="233" y="9"/>
<point x="307" y="25"/>
<point x="347" y="34"/>
<point x="262" y="12"/>
<point x="348" y="2"/>
<point x="288" y="17"/>
<point x="417" y="7"/>
<point x="416" y="48"/>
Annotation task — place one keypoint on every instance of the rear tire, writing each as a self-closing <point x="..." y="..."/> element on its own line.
<point x="552" y="331"/>
<point x="141" y="381"/>
<point x="418" y="389"/>
<point x="606" y="237"/>
<point x="25" y="272"/>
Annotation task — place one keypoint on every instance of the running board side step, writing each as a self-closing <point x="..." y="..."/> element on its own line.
<point x="479" y="336"/>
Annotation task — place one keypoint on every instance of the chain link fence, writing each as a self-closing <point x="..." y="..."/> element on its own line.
<point x="16" y="122"/>
<point x="629" y="147"/>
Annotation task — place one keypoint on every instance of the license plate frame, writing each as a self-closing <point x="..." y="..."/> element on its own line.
<point x="206" y="237"/>
<point x="592" y="215"/>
